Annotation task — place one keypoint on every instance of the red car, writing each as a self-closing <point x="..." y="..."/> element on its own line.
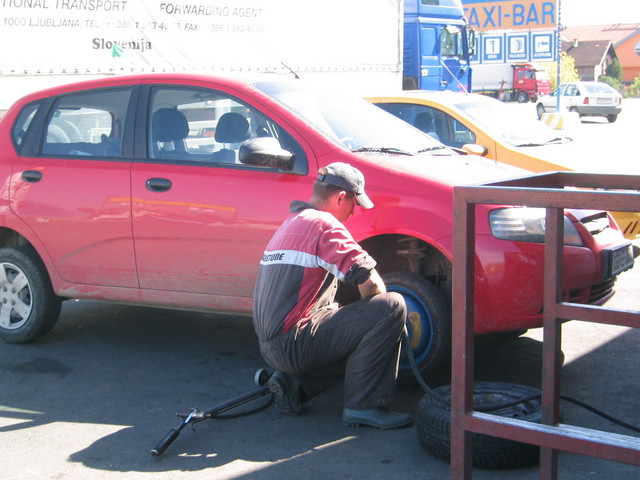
<point x="131" y="189"/>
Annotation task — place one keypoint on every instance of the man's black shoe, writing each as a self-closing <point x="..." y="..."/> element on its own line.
<point x="286" y="392"/>
<point x="380" y="417"/>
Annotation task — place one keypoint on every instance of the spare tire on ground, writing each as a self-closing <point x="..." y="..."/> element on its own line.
<point x="433" y="424"/>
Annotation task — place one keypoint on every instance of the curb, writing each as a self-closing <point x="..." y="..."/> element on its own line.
<point x="561" y="120"/>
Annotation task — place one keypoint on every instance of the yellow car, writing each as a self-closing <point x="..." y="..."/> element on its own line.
<point x="484" y="126"/>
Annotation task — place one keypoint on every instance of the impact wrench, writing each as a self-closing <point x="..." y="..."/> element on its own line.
<point x="195" y="415"/>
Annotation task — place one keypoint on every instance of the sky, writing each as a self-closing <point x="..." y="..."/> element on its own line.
<point x="597" y="12"/>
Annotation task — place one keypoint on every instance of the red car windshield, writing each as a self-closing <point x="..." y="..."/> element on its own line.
<point x="352" y="123"/>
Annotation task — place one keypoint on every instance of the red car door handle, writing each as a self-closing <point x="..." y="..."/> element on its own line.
<point x="158" y="184"/>
<point x="31" y="176"/>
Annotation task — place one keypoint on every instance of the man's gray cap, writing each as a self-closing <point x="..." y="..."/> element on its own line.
<point x="347" y="177"/>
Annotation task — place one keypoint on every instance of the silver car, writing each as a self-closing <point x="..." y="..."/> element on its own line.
<point x="588" y="99"/>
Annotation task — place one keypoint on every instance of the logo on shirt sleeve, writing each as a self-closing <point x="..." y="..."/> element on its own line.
<point x="272" y="257"/>
<point x="289" y="257"/>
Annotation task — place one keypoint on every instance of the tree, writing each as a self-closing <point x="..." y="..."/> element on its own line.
<point x="614" y="70"/>
<point x="568" y="72"/>
<point x="613" y="82"/>
<point x="634" y="88"/>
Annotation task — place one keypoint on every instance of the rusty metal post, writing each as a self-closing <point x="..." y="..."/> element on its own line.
<point x="463" y="331"/>
<point x="552" y="335"/>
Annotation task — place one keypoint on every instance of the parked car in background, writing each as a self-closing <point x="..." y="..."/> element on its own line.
<point x="587" y="99"/>
<point x="485" y="126"/>
<point x="479" y="123"/>
<point x="177" y="211"/>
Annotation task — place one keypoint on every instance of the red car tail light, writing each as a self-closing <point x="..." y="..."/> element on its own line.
<point x="586" y="101"/>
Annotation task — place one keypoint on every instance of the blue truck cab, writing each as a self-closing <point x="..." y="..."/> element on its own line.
<point x="438" y="45"/>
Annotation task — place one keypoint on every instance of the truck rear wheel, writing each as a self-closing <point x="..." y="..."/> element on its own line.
<point x="428" y="322"/>
<point x="28" y="306"/>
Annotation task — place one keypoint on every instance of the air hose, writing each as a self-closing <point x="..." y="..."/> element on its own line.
<point x="492" y="408"/>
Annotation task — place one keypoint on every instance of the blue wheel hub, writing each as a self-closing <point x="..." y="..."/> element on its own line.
<point x="419" y="326"/>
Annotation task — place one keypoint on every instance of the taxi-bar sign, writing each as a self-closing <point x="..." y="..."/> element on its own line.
<point x="510" y="14"/>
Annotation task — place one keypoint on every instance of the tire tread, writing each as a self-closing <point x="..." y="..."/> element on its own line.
<point x="433" y="425"/>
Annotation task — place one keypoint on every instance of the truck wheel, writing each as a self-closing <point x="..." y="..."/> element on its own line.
<point x="428" y="322"/>
<point x="539" y="110"/>
<point x="612" y="118"/>
<point x="522" y="97"/>
<point x="433" y="424"/>
<point x="28" y="307"/>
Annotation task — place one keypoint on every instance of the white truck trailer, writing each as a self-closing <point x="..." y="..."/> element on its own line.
<point x="511" y="81"/>
<point x="354" y="44"/>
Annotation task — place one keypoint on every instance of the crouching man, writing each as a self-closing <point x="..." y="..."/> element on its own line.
<point x="310" y="340"/>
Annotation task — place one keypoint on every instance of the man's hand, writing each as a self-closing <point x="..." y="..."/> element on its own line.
<point x="372" y="286"/>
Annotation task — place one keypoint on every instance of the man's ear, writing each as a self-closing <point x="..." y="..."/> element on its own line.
<point x="341" y="196"/>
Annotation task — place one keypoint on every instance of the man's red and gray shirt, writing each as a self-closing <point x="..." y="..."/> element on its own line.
<point x="300" y="267"/>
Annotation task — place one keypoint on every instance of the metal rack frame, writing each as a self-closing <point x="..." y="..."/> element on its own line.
<point x="548" y="190"/>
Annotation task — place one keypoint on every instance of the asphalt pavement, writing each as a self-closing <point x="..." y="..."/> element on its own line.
<point x="94" y="397"/>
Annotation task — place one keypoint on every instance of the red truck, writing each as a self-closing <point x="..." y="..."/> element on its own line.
<point x="511" y="81"/>
<point x="131" y="189"/>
